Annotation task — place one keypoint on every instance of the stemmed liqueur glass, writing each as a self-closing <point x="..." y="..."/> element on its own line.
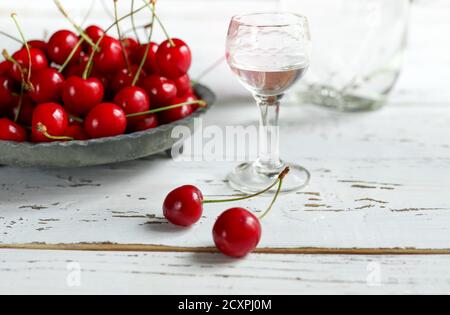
<point x="268" y="52"/>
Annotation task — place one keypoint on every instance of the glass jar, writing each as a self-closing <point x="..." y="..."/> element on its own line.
<point x="357" y="51"/>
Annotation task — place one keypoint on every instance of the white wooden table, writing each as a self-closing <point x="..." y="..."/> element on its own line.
<point x="375" y="219"/>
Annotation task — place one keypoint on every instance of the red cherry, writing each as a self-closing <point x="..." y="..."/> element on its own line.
<point x="38" y="62"/>
<point x="133" y="100"/>
<point x="178" y="113"/>
<point x="39" y="44"/>
<point x="161" y="90"/>
<point x="106" y="120"/>
<point x="77" y="68"/>
<point x="183" y="84"/>
<point x="6" y="92"/>
<point x="10" y="131"/>
<point x="184" y="206"/>
<point x="76" y="132"/>
<point x="175" y="61"/>
<point x="61" y="45"/>
<point x="143" y="123"/>
<point x="80" y="95"/>
<point x="110" y="58"/>
<point x="237" y="232"/>
<point x="124" y="78"/>
<point x="130" y="45"/>
<point x="5" y="68"/>
<point x="53" y="117"/>
<point x="94" y="32"/>
<point x="150" y="65"/>
<point x="26" y="110"/>
<point x="47" y="84"/>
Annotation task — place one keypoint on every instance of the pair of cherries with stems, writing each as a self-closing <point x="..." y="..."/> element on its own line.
<point x="83" y="95"/>
<point x="236" y="232"/>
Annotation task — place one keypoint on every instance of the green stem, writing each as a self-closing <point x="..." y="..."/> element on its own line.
<point x="18" y="65"/>
<point x="119" y="34"/>
<point x="133" y="23"/>
<point x="10" y="37"/>
<point x="166" y="33"/>
<point x="72" y="54"/>
<point x="201" y="103"/>
<point x="97" y="45"/>
<point x="147" y="49"/>
<point x="19" y="109"/>
<point x="43" y="129"/>
<point x="27" y="47"/>
<point x="77" y="119"/>
<point x="279" y="179"/>
<point x="280" y="184"/>
<point x="75" y="25"/>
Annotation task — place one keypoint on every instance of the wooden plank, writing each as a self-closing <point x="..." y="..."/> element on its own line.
<point x="168" y="273"/>
<point x="380" y="180"/>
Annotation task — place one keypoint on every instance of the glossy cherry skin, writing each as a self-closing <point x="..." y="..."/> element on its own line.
<point x="237" y="232"/>
<point x="105" y="120"/>
<point x="47" y="84"/>
<point x="124" y="78"/>
<point x="143" y="123"/>
<point x="10" y="131"/>
<point x="7" y="86"/>
<point x="183" y="84"/>
<point x="61" y="45"/>
<point x="76" y="132"/>
<point x="94" y="32"/>
<point x="150" y="65"/>
<point x="131" y="45"/>
<point x="39" y="44"/>
<point x="184" y="206"/>
<point x="38" y="62"/>
<point x="178" y="113"/>
<point x="80" y="95"/>
<point x="110" y="58"/>
<point x="26" y="110"/>
<point x="161" y="90"/>
<point x="173" y="62"/>
<point x="5" y="68"/>
<point x="54" y="117"/>
<point x="133" y="100"/>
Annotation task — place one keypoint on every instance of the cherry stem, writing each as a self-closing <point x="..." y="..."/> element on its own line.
<point x="88" y="13"/>
<point x="119" y="34"/>
<point x="147" y="49"/>
<point x="72" y="54"/>
<point x="77" y="119"/>
<point x="133" y="23"/>
<point x="27" y="47"/>
<point x="166" y="33"/>
<point x="43" y="129"/>
<point x="19" y="107"/>
<point x="97" y="45"/>
<point x="201" y="103"/>
<point x="280" y="178"/>
<point x="19" y="66"/>
<point x="280" y="185"/>
<point x="10" y="37"/>
<point x="75" y="25"/>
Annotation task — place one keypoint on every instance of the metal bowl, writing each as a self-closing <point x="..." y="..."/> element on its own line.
<point x="101" y="151"/>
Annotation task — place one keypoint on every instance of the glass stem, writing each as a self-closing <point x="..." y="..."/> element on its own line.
<point x="269" y="136"/>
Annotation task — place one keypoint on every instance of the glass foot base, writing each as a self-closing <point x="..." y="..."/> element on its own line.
<point x="249" y="178"/>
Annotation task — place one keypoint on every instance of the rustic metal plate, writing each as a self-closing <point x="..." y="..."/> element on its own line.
<point x="101" y="151"/>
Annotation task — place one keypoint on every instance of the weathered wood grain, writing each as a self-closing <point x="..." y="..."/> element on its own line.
<point x="165" y="273"/>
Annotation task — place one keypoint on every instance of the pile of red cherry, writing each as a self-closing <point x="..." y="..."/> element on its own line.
<point x="237" y="231"/>
<point x="85" y="85"/>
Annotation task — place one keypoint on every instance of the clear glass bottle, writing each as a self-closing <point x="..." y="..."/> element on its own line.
<point x="357" y="52"/>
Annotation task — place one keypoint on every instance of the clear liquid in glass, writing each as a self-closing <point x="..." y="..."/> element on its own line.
<point x="267" y="76"/>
